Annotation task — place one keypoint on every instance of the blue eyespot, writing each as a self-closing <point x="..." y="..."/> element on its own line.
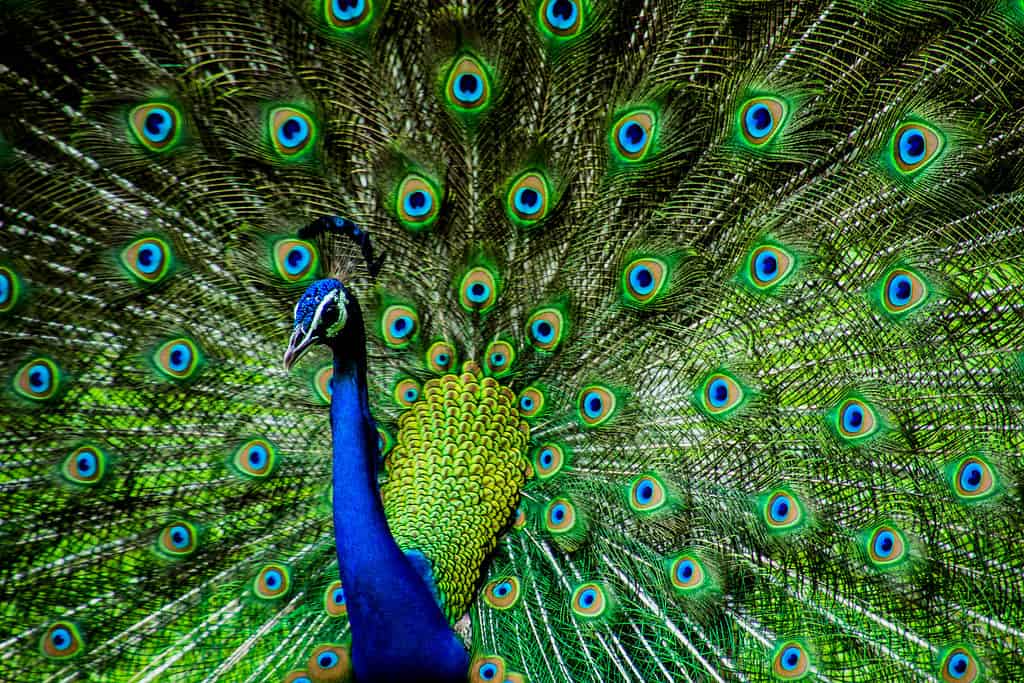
<point x="527" y="200"/>
<point x="593" y="405"/>
<point x="179" y="357"/>
<point x="543" y="331"/>
<point x="292" y="132"/>
<point x="469" y="87"/>
<point x="632" y="137"/>
<point x="766" y="266"/>
<point x="442" y="359"/>
<point x="900" y="290"/>
<point x="958" y="664"/>
<point x="971" y="477"/>
<point x="401" y="327"/>
<point x="684" y="571"/>
<point x="180" y="536"/>
<point x="338" y="596"/>
<point x="297" y="259"/>
<point x="884" y="544"/>
<point x="418" y="203"/>
<point x="853" y="418"/>
<point x="348" y="10"/>
<point x="327" y="660"/>
<point x="86" y="464"/>
<point x="547" y="457"/>
<point x="561" y="14"/>
<point x="644" y="491"/>
<point x="257" y="456"/>
<point x="641" y="280"/>
<point x="526" y="403"/>
<point x="718" y="393"/>
<point x="488" y="672"/>
<point x="61" y="638"/>
<point x="40" y="378"/>
<point x="149" y="258"/>
<point x="478" y="292"/>
<point x="759" y="121"/>
<point x="588" y="597"/>
<point x="780" y="509"/>
<point x="411" y="395"/>
<point x="503" y="589"/>
<point x="5" y="288"/>
<point x="912" y="146"/>
<point x="158" y="124"/>
<point x="558" y="512"/>
<point x="497" y="359"/>
<point x="272" y="579"/>
<point x="790" y="658"/>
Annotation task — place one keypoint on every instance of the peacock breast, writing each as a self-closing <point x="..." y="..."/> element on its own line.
<point x="454" y="476"/>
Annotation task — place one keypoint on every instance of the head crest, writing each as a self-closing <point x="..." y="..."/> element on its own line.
<point x="353" y="231"/>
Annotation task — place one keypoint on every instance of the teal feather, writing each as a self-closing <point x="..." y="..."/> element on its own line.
<point x="766" y="308"/>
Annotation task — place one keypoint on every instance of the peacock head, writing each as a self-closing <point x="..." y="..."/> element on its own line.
<point x="323" y="315"/>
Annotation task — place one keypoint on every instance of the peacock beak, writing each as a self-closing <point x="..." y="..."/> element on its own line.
<point x="300" y="342"/>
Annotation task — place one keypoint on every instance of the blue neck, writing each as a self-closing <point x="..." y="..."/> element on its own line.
<point x="398" y="630"/>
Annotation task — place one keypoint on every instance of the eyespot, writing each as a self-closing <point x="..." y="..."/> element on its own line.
<point x="322" y="386"/>
<point x="489" y="669"/>
<point x="644" y="279"/>
<point x="417" y="203"/>
<point x="647" y="494"/>
<point x="441" y="357"/>
<point x="178" y="358"/>
<point x="156" y="125"/>
<point x="347" y="14"/>
<point x="791" y="661"/>
<point x="292" y="132"/>
<point x="589" y="601"/>
<point x="527" y="200"/>
<point x="855" y="419"/>
<point x="531" y="402"/>
<point x="760" y="119"/>
<point x="886" y="546"/>
<point x="334" y="600"/>
<point x="973" y="479"/>
<point x="914" y="146"/>
<point x="10" y="287"/>
<point x="398" y="325"/>
<point x="768" y="266"/>
<point x="512" y="677"/>
<point x="178" y="539"/>
<point x="544" y="329"/>
<point x="38" y="380"/>
<point x="561" y="18"/>
<point x="255" y="458"/>
<point x="687" y="573"/>
<point x="84" y="465"/>
<point x="384" y="441"/>
<point x="959" y="665"/>
<point x="147" y="259"/>
<point x="273" y="581"/>
<point x="478" y="290"/>
<point x="330" y="662"/>
<point x="295" y="260"/>
<point x="596" y="404"/>
<point x="498" y="358"/>
<point x="61" y="640"/>
<point x="469" y="87"/>
<point x="548" y="460"/>
<point x="903" y="291"/>
<point x="782" y="511"/>
<point x="520" y="519"/>
<point x="559" y="516"/>
<point x="502" y="593"/>
<point x="298" y="676"/>
<point x="720" y="395"/>
<point x="406" y="392"/>
<point x="632" y="134"/>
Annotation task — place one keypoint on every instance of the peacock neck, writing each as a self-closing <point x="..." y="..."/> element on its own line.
<point x="398" y="630"/>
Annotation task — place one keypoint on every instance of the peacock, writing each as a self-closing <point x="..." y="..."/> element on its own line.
<point x="525" y="340"/>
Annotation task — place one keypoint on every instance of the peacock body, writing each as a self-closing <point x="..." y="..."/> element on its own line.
<point x="665" y="340"/>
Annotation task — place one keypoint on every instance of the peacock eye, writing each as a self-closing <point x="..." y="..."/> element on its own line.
<point x="178" y="539"/>
<point x="973" y="479"/>
<point x="499" y="357"/>
<point x="347" y="14"/>
<point x="440" y="357"/>
<point x="545" y="329"/>
<point x="502" y="593"/>
<point x="334" y="600"/>
<point x="782" y="511"/>
<point x="84" y="465"/>
<point x="384" y="441"/>
<point x="329" y="662"/>
<point x="156" y="125"/>
<point x="292" y="132"/>
<point x="647" y="494"/>
<point x="322" y="386"/>
<point x="531" y="402"/>
<point x="299" y="676"/>
<point x="398" y="325"/>
<point x="61" y="640"/>
<point x="632" y="135"/>
<point x="273" y="581"/>
<point x="687" y="573"/>
<point x="255" y="458"/>
<point x="914" y="146"/>
<point x="769" y="266"/>
<point x="406" y="392"/>
<point x="790" y="661"/>
<point x="903" y="291"/>
<point x="417" y="202"/>
<point x="855" y="419"/>
<point x="178" y="359"/>
<point x="9" y="288"/>
<point x="489" y="669"/>
<point x="720" y="395"/>
<point x="643" y="279"/>
<point x="478" y="290"/>
<point x="468" y="86"/>
<point x="589" y="601"/>
<point x="295" y="260"/>
<point x="561" y="18"/>
<point x="886" y="546"/>
<point x="959" y="665"/>
<point x="38" y="379"/>
<point x="549" y="460"/>
<point x="147" y="259"/>
<point x="760" y="119"/>
<point x="596" y="404"/>
<point x="560" y="516"/>
<point x="527" y="201"/>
